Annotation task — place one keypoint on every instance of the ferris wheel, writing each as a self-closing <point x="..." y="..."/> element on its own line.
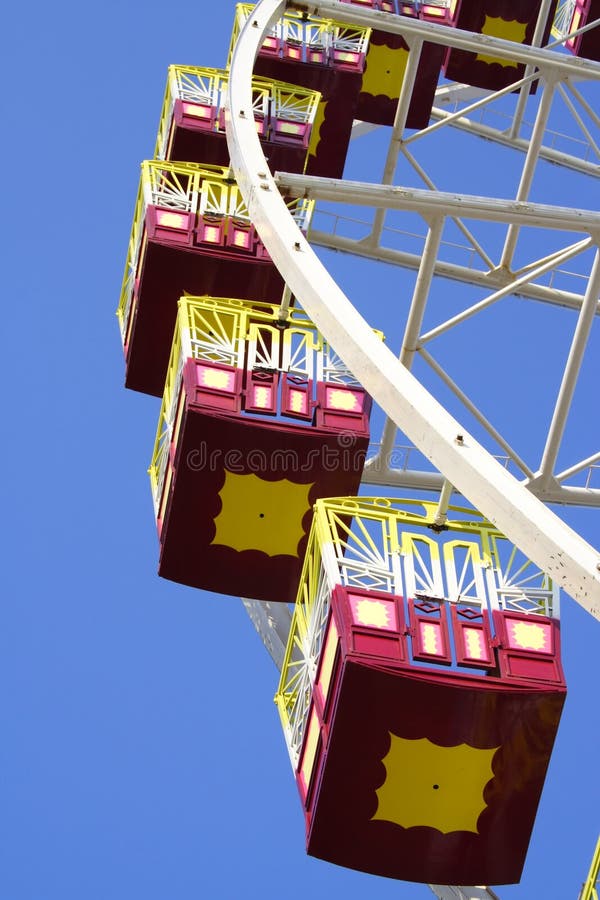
<point x="433" y="607"/>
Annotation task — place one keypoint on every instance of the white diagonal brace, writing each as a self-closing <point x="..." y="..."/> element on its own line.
<point x="539" y="533"/>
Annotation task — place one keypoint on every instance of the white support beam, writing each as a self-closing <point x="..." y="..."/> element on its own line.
<point x="542" y="536"/>
<point x="489" y="209"/>
<point x="495" y="278"/>
<point x="450" y="37"/>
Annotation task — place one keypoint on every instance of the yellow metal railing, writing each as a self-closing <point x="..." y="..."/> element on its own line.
<point x="189" y="188"/>
<point x="388" y="545"/>
<point x="589" y="890"/>
<point x="229" y="331"/>
<point x="310" y="32"/>
<point x="208" y="87"/>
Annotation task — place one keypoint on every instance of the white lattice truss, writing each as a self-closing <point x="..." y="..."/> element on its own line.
<point x="449" y="452"/>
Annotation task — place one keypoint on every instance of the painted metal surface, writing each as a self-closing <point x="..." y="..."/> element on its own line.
<point x="258" y="416"/>
<point x="420" y="726"/>
<point x="461" y="459"/>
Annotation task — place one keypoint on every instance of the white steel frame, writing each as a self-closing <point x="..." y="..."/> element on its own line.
<point x="507" y="502"/>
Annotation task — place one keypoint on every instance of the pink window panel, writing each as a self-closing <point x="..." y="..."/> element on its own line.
<point x="529" y="647"/>
<point x="213" y="384"/>
<point x="348" y="59"/>
<point x="431" y="13"/>
<point x="373" y="623"/>
<point x="195" y="115"/>
<point x="293" y="50"/>
<point x="370" y="610"/>
<point x="472" y="637"/>
<point x="286" y="131"/>
<point x="342" y="408"/>
<point x="240" y="235"/>
<point x="261" y="392"/>
<point x="309" y="763"/>
<point x="408" y="9"/>
<point x="580" y="17"/>
<point x="526" y="633"/>
<point x="271" y="46"/>
<point x="211" y="230"/>
<point x="173" y="225"/>
<point x="429" y="630"/>
<point x="328" y="670"/>
<point x="296" y="397"/>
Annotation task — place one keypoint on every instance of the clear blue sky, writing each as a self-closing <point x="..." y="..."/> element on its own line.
<point x="141" y="755"/>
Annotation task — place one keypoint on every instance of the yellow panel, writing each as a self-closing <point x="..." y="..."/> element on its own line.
<point x="439" y="787"/>
<point x="342" y="400"/>
<point x="474" y="643"/>
<point x="310" y="749"/>
<point x="372" y="613"/>
<point x="315" y="134"/>
<point x="508" y="30"/>
<point x="384" y="72"/>
<point x="251" y="517"/>
<point x="530" y="636"/>
<point x="328" y="659"/>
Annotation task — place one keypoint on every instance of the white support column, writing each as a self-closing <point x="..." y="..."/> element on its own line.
<point x="541" y="535"/>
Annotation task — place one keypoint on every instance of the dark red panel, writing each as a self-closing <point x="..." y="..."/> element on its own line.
<point x="166" y="271"/>
<point x="339" y="89"/>
<point x="376" y="706"/>
<point x="209" y="446"/>
<point x="464" y="67"/>
<point x="380" y="109"/>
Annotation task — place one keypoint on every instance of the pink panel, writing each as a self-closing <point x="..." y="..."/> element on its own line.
<point x="342" y="409"/>
<point x="287" y="132"/>
<point x="174" y="226"/>
<point x="530" y="646"/>
<point x="271" y="46"/>
<point x="261" y="393"/>
<point x="349" y="60"/>
<point x="431" y="13"/>
<point x="211" y="230"/>
<point x="212" y="384"/>
<point x="389" y="648"/>
<point x="372" y="622"/>
<point x="195" y="115"/>
<point x="429" y="630"/>
<point x="293" y="51"/>
<point x="240" y="235"/>
<point x="472" y="637"/>
<point x="373" y="612"/>
<point x="328" y="669"/>
<point x="526" y="667"/>
<point x="296" y="396"/>
<point x="309" y="758"/>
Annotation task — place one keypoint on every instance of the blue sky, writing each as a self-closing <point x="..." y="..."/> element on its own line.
<point x="141" y="754"/>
